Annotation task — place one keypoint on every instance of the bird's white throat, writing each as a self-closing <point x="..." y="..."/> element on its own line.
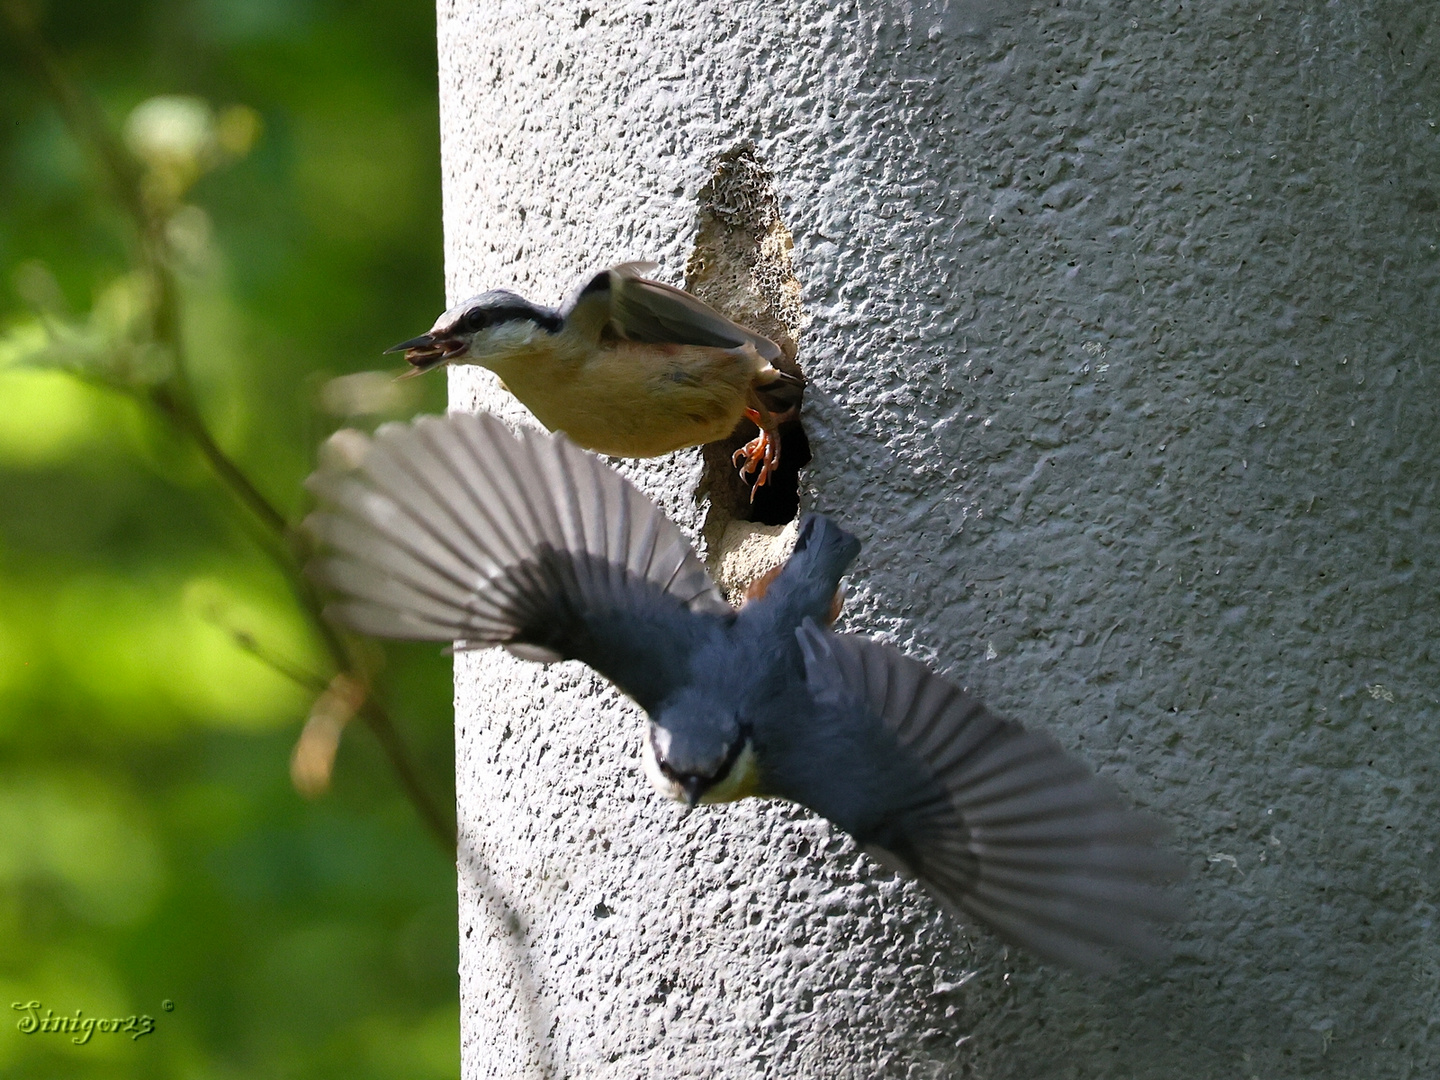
<point x="504" y="340"/>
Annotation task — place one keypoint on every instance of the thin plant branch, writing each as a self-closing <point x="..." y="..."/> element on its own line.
<point x="180" y="412"/>
<point x="122" y="174"/>
<point x="246" y="642"/>
<point x="172" y="399"/>
<point x="377" y="719"/>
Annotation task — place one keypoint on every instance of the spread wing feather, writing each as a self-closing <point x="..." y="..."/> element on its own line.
<point x="454" y="529"/>
<point x="998" y="822"/>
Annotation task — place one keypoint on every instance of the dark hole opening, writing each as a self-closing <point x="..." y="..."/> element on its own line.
<point x="778" y="502"/>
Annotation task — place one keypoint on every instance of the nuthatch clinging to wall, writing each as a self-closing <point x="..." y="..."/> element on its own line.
<point x="626" y="366"/>
<point x="454" y="529"/>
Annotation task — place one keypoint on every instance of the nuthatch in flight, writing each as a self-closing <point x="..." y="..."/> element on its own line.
<point x="627" y="366"/>
<point x="454" y="529"/>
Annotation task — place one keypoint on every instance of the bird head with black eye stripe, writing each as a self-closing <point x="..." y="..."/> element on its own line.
<point x="697" y="752"/>
<point x="481" y="330"/>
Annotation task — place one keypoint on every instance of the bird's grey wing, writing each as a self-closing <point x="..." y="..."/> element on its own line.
<point x="650" y="311"/>
<point x="454" y="529"/>
<point x="999" y="823"/>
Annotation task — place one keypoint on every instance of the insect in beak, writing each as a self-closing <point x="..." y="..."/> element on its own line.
<point x="429" y="350"/>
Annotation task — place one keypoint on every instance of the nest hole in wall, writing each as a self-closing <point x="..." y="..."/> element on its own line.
<point x="742" y="265"/>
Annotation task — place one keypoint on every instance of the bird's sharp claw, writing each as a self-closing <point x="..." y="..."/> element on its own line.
<point x="760" y="456"/>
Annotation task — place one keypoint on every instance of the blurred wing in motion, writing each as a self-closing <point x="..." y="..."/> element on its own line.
<point x="999" y="823"/>
<point x="454" y="529"/>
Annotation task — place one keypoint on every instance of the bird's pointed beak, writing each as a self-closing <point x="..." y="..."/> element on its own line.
<point x="693" y="787"/>
<point x="424" y="341"/>
<point x="429" y="350"/>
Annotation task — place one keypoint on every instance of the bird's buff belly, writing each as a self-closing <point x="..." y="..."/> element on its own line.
<point x="630" y="403"/>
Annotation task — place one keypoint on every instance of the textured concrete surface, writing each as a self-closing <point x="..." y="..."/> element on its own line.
<point x="1122" y="347"/>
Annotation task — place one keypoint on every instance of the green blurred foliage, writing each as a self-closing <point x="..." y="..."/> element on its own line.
<point x="152" y="847"/>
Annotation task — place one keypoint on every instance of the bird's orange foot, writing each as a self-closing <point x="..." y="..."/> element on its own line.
<point x="759" y="456"/>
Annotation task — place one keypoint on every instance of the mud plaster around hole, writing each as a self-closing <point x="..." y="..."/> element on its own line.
<point x="742" y="265"/>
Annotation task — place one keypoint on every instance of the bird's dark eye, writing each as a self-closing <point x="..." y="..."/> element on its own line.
<point x="472" y="320"/>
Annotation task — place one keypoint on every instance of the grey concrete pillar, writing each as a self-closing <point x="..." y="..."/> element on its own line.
<point x="1120" y="319"/>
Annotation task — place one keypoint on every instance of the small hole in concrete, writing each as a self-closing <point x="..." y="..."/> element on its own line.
<point x="742" y="265"/>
